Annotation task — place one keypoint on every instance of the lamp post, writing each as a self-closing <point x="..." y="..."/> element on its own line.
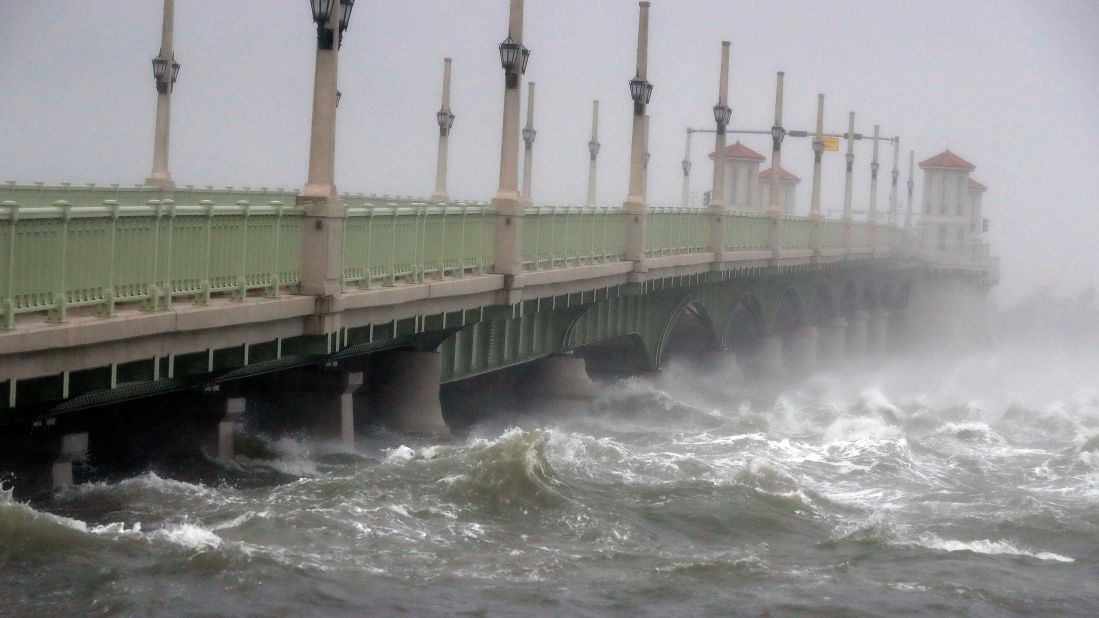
<point x="165" y="72"/>
<point x="593" y="150"/>
<point x="445" y="119"/>
<point x="528" y="140"/>
<point x="722" y="115"/>
<point x="911" y="186"/>
<point x="872" y="210"/>
<point x="814" y="204"/>
<point x="323" y="223"/>
<point x="774" y="211"/>
<point x="847" y="183"/>
<point x="894" y="175"/>
<point x="641" y="92"/>
<point x="507" y="202"/>
<point x="687" y="169"/>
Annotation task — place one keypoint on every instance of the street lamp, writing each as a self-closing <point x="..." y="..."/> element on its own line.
<point x="165" y="73"/>
<point x="777" y="134"/>
<point x="322" y="13"/>
<point x="722" y="114"/>
<point x="528" y="136"/>
<point x="513" y="58"/>
<point x="339" y="95"/>
<point x="593" y="148"/>
<point x="446" y="121"/>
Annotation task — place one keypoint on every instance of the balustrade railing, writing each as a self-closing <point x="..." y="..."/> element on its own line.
<point x="58" y="257"/>
<point x="390" y="243"/>
<point x="831" y="234"/>
<point x="746" y="231"/>
<point x="675" y="231"/>
<point x="556" y="236"/>
<point x="796" y="232"/>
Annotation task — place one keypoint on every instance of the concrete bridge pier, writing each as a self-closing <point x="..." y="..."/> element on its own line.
<point x="833" y="341"/>
<point x="320" y="401"/>
<point x="42" y="464"/>
<point x="803" y="349"/>
<point x="857" y="334"/>
<point x="407" y="392"/>
<point x="766" y="359"/>
<point x="877" y="331"/>
<point x="217" y="440"/>
<point x="561" y="382"/>
<point x="897" y="338"/>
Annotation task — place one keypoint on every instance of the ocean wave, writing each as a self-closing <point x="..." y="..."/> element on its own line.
<point x="983" y="546"/>
<point x="856" y="428"/>
<point x="510" y="472"/>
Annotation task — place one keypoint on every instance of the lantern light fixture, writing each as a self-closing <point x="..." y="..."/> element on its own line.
<point x="777" y="134"/>
<point x="528" y="136"/>
<point x="593" y="148"/>
<point x="339" y="95"/>
<point x="818" y="147"/>
<point x="722" y="114"/>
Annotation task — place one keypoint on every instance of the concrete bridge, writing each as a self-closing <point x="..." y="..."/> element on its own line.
<point x="324" y="307"/>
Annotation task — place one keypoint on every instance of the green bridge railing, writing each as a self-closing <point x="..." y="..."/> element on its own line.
<point x="390" y="243"/>
<point x="558" y="236"/>
<point x="67" y="255"/>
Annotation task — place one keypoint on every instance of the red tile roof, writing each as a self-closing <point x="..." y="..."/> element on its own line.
<point x="976" y="186"/>
<point x="740" y="151"/>
<point x="783" y="176"/>
<point x="947" y="159"/>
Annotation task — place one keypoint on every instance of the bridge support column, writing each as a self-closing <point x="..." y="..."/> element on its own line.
<point x="43" y="463"/>
<point x="217" y="441"/>
<point x="319" y="401"/>
<point x="766" y="360"/>
<point x="408" y="393"/>
<point x="897" y="338"/>
<point x="804" y="346"/>
<point x="833" y="341"/>
<point x="877" y="330"/>
<point x="562" y="382"/>
<point x="857" y="332"/>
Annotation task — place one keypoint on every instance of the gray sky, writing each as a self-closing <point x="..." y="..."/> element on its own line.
<point x="1012" y="86"/>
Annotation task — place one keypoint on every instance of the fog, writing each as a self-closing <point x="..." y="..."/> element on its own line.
<point x="1011" y="86"/>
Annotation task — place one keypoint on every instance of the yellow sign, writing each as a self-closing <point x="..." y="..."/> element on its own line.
<point x="830" y="143"/>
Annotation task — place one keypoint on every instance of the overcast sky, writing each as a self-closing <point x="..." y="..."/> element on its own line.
<point x="1011" y="86"/>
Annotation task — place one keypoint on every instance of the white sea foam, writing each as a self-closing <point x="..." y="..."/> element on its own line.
<point x="985" y="546"/>
<point x="854" y="428"/>
<point x="189" y="536"/>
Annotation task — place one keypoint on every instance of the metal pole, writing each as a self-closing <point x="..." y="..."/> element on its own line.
<point x="634" y="206"/>
<point x="508" y="202"/>
<point x="722" y="117"/>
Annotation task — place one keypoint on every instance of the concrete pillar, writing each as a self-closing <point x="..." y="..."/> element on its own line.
<point x="848" y="180"/>
<point x="508" y="202"/>
<point x="803" y="350"/>
<point x="814" y="201"/>
<point x="42" y="463"/>
<point x="593" y="150"/>
<point x="877" y="331"/>
<point x="766" y="360"/>
<point x="560" y="382"/>
<point x="160" y="177"/>
<point x="446" y="121"/>
<point x="910" y="185"/>
<point x="687" y="170"/>
<point x="722" y="115"/>
<point x="320" y="401"/>
<point x="872" y="209"/>
<point x="775" y="208"/>
<point x="218" y="439"/>
<point x="322" y="226"/>
<point x="645" y="164"/>
<point x="634" y="206"/>
<point x="528" y="154"/>
<point x="857" y="333"/>
<point x="894" y="175"/>
<point x="408" y="393"/>
<point x="897" y="335"/>
<point x="833" y="341"/>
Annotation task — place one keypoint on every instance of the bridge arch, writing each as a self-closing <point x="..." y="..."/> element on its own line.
<point x="690" y="309"/>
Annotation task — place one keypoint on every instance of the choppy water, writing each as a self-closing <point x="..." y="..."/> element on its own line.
<point x="960" y="486"/>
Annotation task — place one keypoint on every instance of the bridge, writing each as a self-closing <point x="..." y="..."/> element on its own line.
<point x="336" y="307"/>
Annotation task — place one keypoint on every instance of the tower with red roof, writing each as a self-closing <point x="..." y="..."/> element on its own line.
<point x="742" y="177"/>
<point x="951" y="215"/>
<point x="787" y="184"/>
